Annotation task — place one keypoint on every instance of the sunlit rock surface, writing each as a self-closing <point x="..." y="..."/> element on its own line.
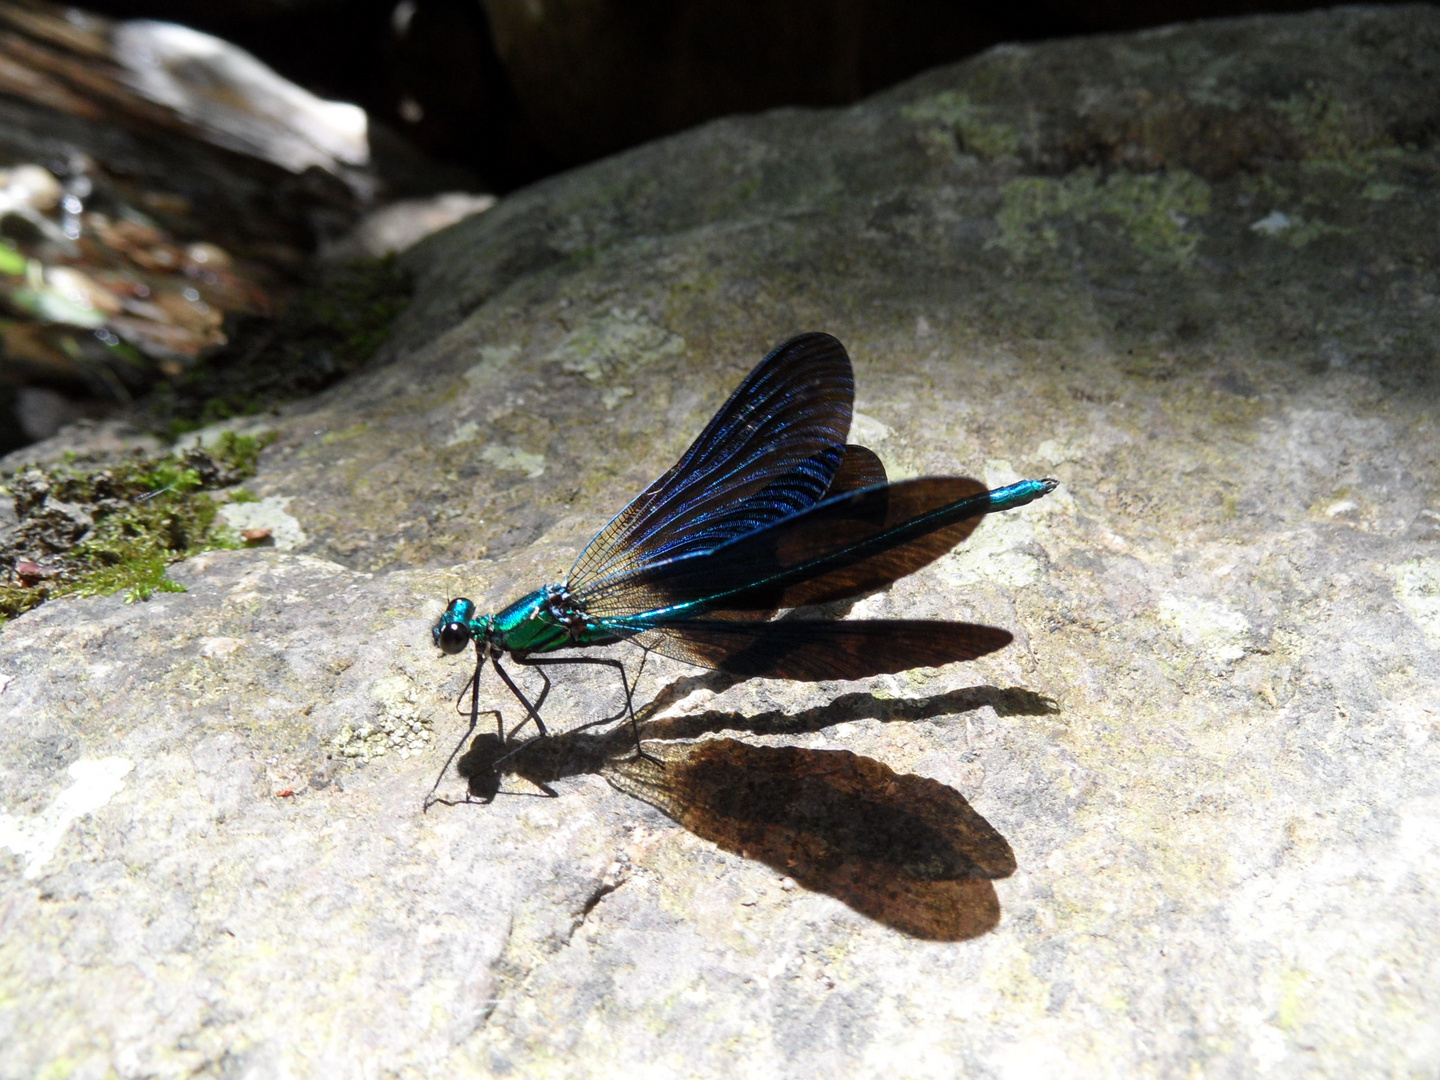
<point x="1190" y="273"/>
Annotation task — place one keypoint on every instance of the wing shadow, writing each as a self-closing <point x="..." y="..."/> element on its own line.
<point x="906" y="851"/>
<point x="1007" y="701"/>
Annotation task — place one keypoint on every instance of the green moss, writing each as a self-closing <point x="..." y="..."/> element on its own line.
<point x="973" y="131"/>
<point x="1152" y="209"/>
<point x="95" y="528"/>
<point x="142" y="573"/>
<point x="240" y="454"/>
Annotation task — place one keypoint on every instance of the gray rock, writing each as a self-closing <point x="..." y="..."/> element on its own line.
<point x="1191" y="273"/>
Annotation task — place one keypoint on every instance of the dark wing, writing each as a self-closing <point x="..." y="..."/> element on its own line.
<point x="839" y="548"/>
<point x="859" y="469"/>
<point x="771" y="450"/>
<point x="812" y="650"/>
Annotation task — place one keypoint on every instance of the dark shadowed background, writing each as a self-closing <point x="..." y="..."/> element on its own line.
<point x="518" y="89"/>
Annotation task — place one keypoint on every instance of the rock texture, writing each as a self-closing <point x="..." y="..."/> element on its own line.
<point x="1192" y="273"/>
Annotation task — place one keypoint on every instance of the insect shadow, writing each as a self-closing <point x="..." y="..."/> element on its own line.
<point x="906" y="851"/>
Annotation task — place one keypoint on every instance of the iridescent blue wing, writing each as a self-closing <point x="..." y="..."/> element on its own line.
<point x="713" y="608"/>
<point x="772" y="450"/>
<point x="841" y="547"/>
<point x="795" y="491"/>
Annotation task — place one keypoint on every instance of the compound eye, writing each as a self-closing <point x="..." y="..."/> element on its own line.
<point x="452" y="637"/>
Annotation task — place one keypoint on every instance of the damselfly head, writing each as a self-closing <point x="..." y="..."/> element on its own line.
<point x="452" y="632"/>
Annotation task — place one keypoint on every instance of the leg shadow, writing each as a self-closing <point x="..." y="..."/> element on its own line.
<point x="906" y="851"/>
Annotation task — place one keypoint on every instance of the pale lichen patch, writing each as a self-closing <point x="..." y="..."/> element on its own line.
<point x="1055" y="452"/>
<point x="516" y="460"/>
<point x="614" y="395"/>
<point x="1272" y="224"/>
<point x="1152" y="210"/>
<point x="402" y="728"/>
<point x="463" y="433"/>
<point x="867" y="431"/>
<point x="1295" y="230"/>
<point x="621" y="341"/>
<point x="951" y="120"/>
<point x="492" y="359"/>
<point x="1417" y="587"/>
<point x="1208" y="625"/>
<point x="36" y="839"/>
<point x="219" y="646"/>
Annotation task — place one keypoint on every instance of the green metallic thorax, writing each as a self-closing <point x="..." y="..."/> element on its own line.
<point x="540" y="622"/>
<point x="526" y="625"/>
